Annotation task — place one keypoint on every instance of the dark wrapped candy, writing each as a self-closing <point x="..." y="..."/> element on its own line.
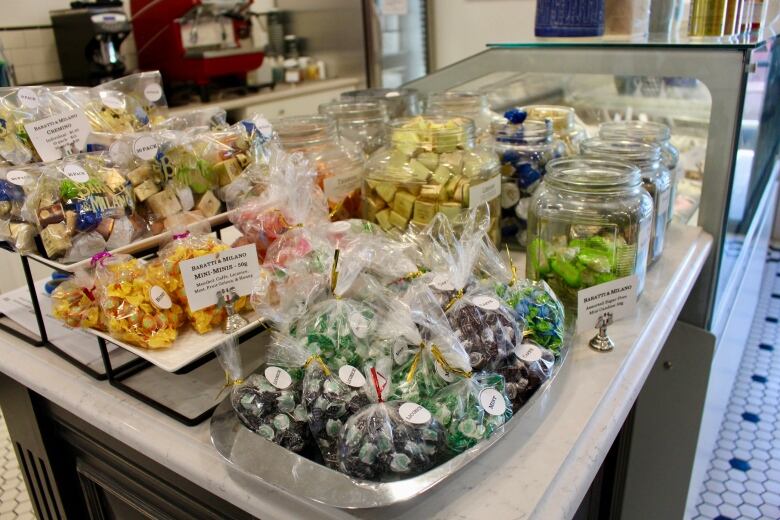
<point x="525" y="372"/>
<point x="10" y="192"/>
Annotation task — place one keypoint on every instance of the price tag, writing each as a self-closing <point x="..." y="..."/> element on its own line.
<point x="618" y="297"/>
<point x="528" y="353"/>
<point x="492" y="401"/>
<point x="486" y="302"/>
<point x="153" y="92"/>
<point x="27" y="97"/>
<point x="205" y="277"/>
<point x="442" y="282"/>
<point x="278" y="377"/>
<point x="351" y="376"/>
<point x="145" y="147"/>
<point x="18" y="177"/>
<point x="160" y="298"/>
<point x="485" y="191"/>
<point x="75" y="172"/>
<point x="57" y="136"/>
<point x="414" y="413"/>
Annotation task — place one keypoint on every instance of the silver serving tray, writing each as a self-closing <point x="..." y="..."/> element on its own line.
<point x="268" y="462"/>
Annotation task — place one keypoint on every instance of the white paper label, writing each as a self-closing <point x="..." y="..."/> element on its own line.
<point x="414" y="413"/>
<point x="492" y="401"/>
<point x="57" y="136"/>
<point x="395" y="7"/>
<point x="232" y="270"/>
<point x="443" y="372"/>
<point x="153" y="92"/>
<point x="442" y="282"/>
<point x="359" y="324"/>
<point x="278" y="377"/>
<point x="339" y="186"/>
<point x="485" y="191"/>
<point x="145" y="147"/>
<point x="351" y="376"/>
<point x="617" y="297"/>
<point x="75" y="172"/>
<point x="18" y="177"/>
<point x="486" y="302"/>
<point x="116" y="151"/>
<point x="112" y="99"/>
<point x="27" y="97"/>
<point x="160" y="298"/>
<point x="528" y="353"/>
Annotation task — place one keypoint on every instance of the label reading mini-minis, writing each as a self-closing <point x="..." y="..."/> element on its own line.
<point x="485" y="191"/>
<point x="278" y="377"/>
<point x="60" y="135"/>
<point x="492" y="401"/>
<point x="205" y="277"/>
<point x="617" y="297"/>
<point x="414" y="413"/>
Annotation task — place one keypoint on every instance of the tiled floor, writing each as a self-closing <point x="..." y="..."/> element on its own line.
<point x="14" y="500"/>
<point x="743" y="479"/>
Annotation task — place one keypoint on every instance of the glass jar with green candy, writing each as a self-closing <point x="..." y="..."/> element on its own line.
<point x="649" y="132"/>
<point x="564" y="121"/>
<point x="655" y="179"/>
<point x="431" y="166"/>
<point x="589" y="223"/>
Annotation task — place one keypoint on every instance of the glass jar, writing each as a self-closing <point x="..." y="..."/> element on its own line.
<point x="648" y="132"/>
<point x="400" y="102"/>
<point x="363" y="123"/>
<point x="564" y="121"/>
<point x="523" y="150"/>
<point x="340" y="165"/>
<point x="656" y="180"/>
<point x="588" y="223"/>
<point x="463" y="104"/>
<point x="431" y="165"/>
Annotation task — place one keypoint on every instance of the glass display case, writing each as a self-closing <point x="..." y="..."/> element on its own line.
<point x="712" y="94"/>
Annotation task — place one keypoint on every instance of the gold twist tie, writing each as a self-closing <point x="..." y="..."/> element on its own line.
<point x="320" y="362"/>
<point x="229" y="383"/>
<point x="513" y="267"/>
<point x="334" y="273"/>
<point x="439" y="357"/>
<point x="415" y="363"/>
<point x="458" y="296"/>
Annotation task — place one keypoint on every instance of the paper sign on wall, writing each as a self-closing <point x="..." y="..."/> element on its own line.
<point x="617" y="297"/>
<point x="206" y="276"/>
<point x="57" y="136"/>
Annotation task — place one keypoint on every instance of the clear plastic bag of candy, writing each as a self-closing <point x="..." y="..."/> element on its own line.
<point x="135" y="305"/>
<point x="17" y="225"/>
<point x="75" y="302"/>
<point x="77" y="202"/>
<point x="128" y="104"/>
<point x="526" y="371"/>
<point x="331" y="394"/>
<point x="471" y="409"/>
<point x="387" y="441"/>
<point x="185" y="246"/>
<point x="268" y="401"/>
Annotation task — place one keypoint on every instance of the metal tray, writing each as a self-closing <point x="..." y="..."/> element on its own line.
<point x="300" y="476"/>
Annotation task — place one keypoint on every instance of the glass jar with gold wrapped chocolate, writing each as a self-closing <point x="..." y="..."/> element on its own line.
<point x="431" y="165"/>
<point x="340" y="164"/>
<point x="655" y="179"/>
<point x="564" y="121"/>
<point x="473" y="105"/>
<point x="362" y="122"/>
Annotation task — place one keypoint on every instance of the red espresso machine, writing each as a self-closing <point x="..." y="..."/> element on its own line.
<point x="193" y="40"/>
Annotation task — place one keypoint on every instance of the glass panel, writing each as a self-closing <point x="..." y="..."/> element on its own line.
<point x="403" y="36"/>
<point x="659" y="40"/>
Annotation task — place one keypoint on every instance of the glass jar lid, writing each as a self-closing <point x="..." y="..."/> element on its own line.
<point x="648" y="131"/>
<point x="302" y="131"/>
<point x="456" y="103"/>
<point x="563" y="118"/>
<point x="357" y="112"/>
<point x="634" y="152"/>
<point x="400" y="102"/>
<point x="521" y="133"/>
<point x="589" y="174"/>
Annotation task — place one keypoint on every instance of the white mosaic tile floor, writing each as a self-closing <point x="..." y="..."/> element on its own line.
<point x="14" y="501"/>
<point x="743" y="479"/>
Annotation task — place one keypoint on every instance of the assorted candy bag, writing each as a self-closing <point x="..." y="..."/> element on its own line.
<point x="387" y="441"/>
<point x="129" y="104"/>
<point x="17" y="107"/>
<point x="186" y="246"/>
<point x="269" y="401"/>
<point x="144" y="90"/>
<point x="471" y="409"/>
<point x="81" y="206"/>
<point x="330" y="395"/>
<point x="75" y="302"/>
<point x="525" y="372"/>
<point x="17" y="226"/>
<point x="135" y="305"/>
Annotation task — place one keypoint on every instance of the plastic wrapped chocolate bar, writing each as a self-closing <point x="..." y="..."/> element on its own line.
<point x="388" y="441"/>
<point x="135" y="305"/>
<point x="17" y="224"/>
<point x="269" y="401"/>
<point x="471" y="409"/>
<point x="331" y="394"/>
<point x="82" y="206"/>
<point x="75" y="301"/>
<point x="185" y="246"/>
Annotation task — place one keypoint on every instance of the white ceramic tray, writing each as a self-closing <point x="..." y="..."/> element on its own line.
<point x="135" y="247"/>
<point x="188" y="347"/>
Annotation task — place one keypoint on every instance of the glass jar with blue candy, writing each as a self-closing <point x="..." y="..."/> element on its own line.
<point x="523" y="149"/>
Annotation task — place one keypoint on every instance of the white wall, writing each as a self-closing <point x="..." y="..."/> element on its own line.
<point x="462" y="28"/>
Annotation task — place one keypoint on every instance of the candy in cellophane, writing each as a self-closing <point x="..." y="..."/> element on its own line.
<point x="526" y="371"/>
<point x="135" y="305"/>
<point x="185" y="246"/>
<point x="17" y="225"/>
<point x="79" y="204"/>
<point x="268" y="401"/>
<point x="388" y="441"/>
<point x="75" y="301"/>
<point x="471" y="409"/>
<point x="124" y="105"/>
<point x="331" y="393"/>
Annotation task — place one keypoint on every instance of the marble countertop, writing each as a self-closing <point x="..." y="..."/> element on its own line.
<point x="541" y="469"/>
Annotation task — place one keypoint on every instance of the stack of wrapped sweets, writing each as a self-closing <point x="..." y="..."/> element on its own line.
<point x="17" y="225"/>
<point x="82" y="205"/>
<point x="185" y="246"/>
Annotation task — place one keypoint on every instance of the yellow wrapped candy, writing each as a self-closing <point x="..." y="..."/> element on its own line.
<point x="74" y="303"/>
<point x="186" y="247"/>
